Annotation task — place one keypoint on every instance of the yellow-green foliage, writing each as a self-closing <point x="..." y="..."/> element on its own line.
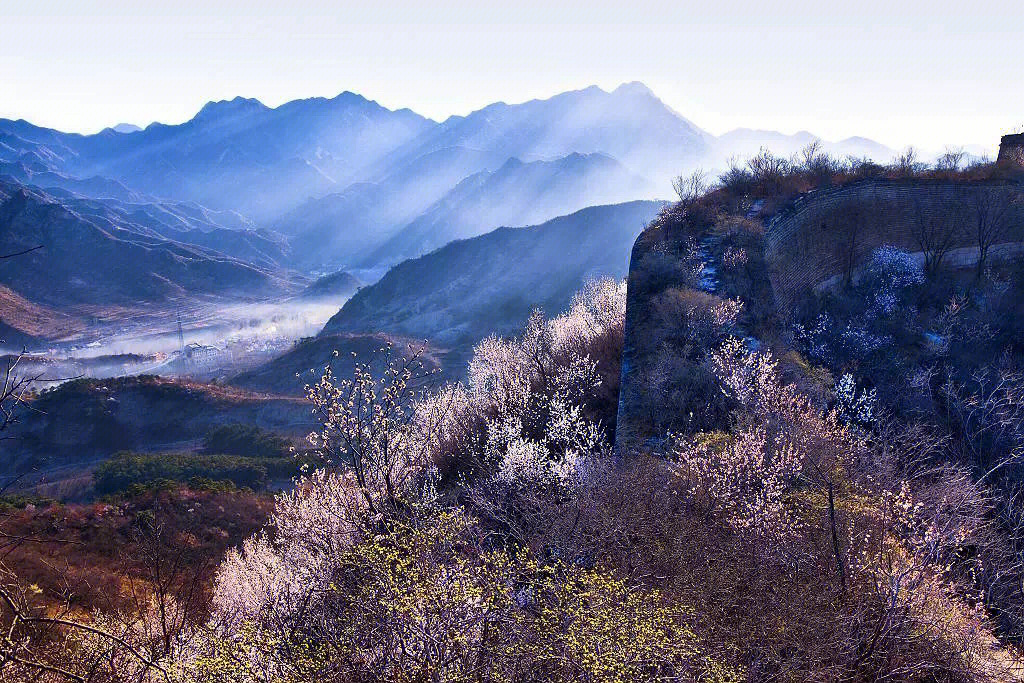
<point x="423" y="601"/>
<point x="420" y="600"/>
<point x="439" y="604"/>
<point x="592" y="626"/>
<point x="819" y="378"/>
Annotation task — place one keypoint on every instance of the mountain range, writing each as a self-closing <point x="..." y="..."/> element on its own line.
<point x="742" y="143"/>
<point x="235" y="154"/>
<point x="246" y="199"/>
<point x="78" y="251"/>
<point x="340" y="177"/>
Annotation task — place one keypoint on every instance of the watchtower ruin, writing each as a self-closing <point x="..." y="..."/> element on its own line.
<point x="1011" y="152"/>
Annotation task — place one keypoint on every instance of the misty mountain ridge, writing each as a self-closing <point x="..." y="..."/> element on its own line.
<point x="470" y="288"/>
<point x="237" y="154"/>
<point x="340" y="228"/>
<point x="95" y="255"/>
<point x="33" y="173"/>
<point x="350" y="183"/>
<point x="518" y="193"/>
<point x="629" y="123"/>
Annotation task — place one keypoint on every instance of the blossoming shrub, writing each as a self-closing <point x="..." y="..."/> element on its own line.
<point x="279" y="576"/>
<point x="892" y="554"/>
<point x="427" y="601"/>
<point x="744" y="479"/>
<point x="495" y="537"/>
<point x="695" y="319"/>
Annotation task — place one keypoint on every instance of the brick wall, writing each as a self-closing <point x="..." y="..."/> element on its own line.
<point x="810" y="243"/>
<point x="1011" y="151"/>
<point x="821" y="237"/>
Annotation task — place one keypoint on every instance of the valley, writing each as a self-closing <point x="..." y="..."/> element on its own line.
<point x="419" y="342"/>
<point x="232" y="337"/>
<point x="244" y="247"/>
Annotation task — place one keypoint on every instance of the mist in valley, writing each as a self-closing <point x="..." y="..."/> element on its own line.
<point x="215" y="342"/>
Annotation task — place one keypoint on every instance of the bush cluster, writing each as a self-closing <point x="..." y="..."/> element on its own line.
<point x="247" y="440"/>
<point x="127" y="469"/>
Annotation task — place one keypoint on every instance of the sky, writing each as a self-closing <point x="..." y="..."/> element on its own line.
<point x="902" y="72"/>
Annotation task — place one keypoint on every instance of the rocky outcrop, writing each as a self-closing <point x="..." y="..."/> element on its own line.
<point x="812" y="242"/>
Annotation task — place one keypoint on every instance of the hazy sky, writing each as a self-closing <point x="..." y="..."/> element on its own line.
<point x="925" y="73"/>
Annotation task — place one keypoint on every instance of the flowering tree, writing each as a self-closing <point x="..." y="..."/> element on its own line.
<point x="744" y="479"/>
<point x="521" y="426"/>
<point x="367" y="426"/>
<point x="537" y="389"/>
<point x="888" y="273"/>
<point x="854" y="408"/>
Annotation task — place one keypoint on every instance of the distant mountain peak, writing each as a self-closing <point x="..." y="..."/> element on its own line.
<point x="234" y="107"/>
<point x="859" y="140"/>
<point x="571" y="159"/>
<point x="577" y="158"/>
<point x="348" y="95"/>
<point x="126" y="128"/>
<point x="511" y="163"/>
<point x="633" y="88"/>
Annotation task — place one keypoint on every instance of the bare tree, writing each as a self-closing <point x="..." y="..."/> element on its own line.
<point x="1006" y="579"/>
<point x="987" y="415"/>
<point x="810" y="152"/>
<point x="951" y="159"/>
<point x="44" y="644"/>
<point x="851" y="222"/>
<point x="817" y="163"/>
<point x="738" y="181"/>
<point x="16" y="385"/>
<point x="14" y="393"/>
<point x="990" y="209"/>
<point x="768" y="170"/>
<point x="165" y="580"/>
<point x="907" y="164"/>
<point x="692" y="187"/>
<point x="935" y="230"/>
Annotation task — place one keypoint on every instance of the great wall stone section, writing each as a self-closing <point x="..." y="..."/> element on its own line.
<point x="1011" y="151"/>
<point x="811" y="242"/>
<point x="822" y="237"/>
<point x="633" y="419"/>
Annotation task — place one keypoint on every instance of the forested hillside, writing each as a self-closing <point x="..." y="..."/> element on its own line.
<point x="829" y="492"/>
<point x="489" y="284"/>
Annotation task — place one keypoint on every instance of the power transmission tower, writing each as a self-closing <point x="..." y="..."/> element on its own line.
<point x="181" y="334"/>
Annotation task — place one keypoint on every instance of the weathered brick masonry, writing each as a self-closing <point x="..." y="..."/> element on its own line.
<point x="824" y="235"/>
<point x="1011" y="151"/>
<point x="813" y="241"/>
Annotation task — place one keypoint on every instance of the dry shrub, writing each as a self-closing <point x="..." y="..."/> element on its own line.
<point x="693" y="319"/>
